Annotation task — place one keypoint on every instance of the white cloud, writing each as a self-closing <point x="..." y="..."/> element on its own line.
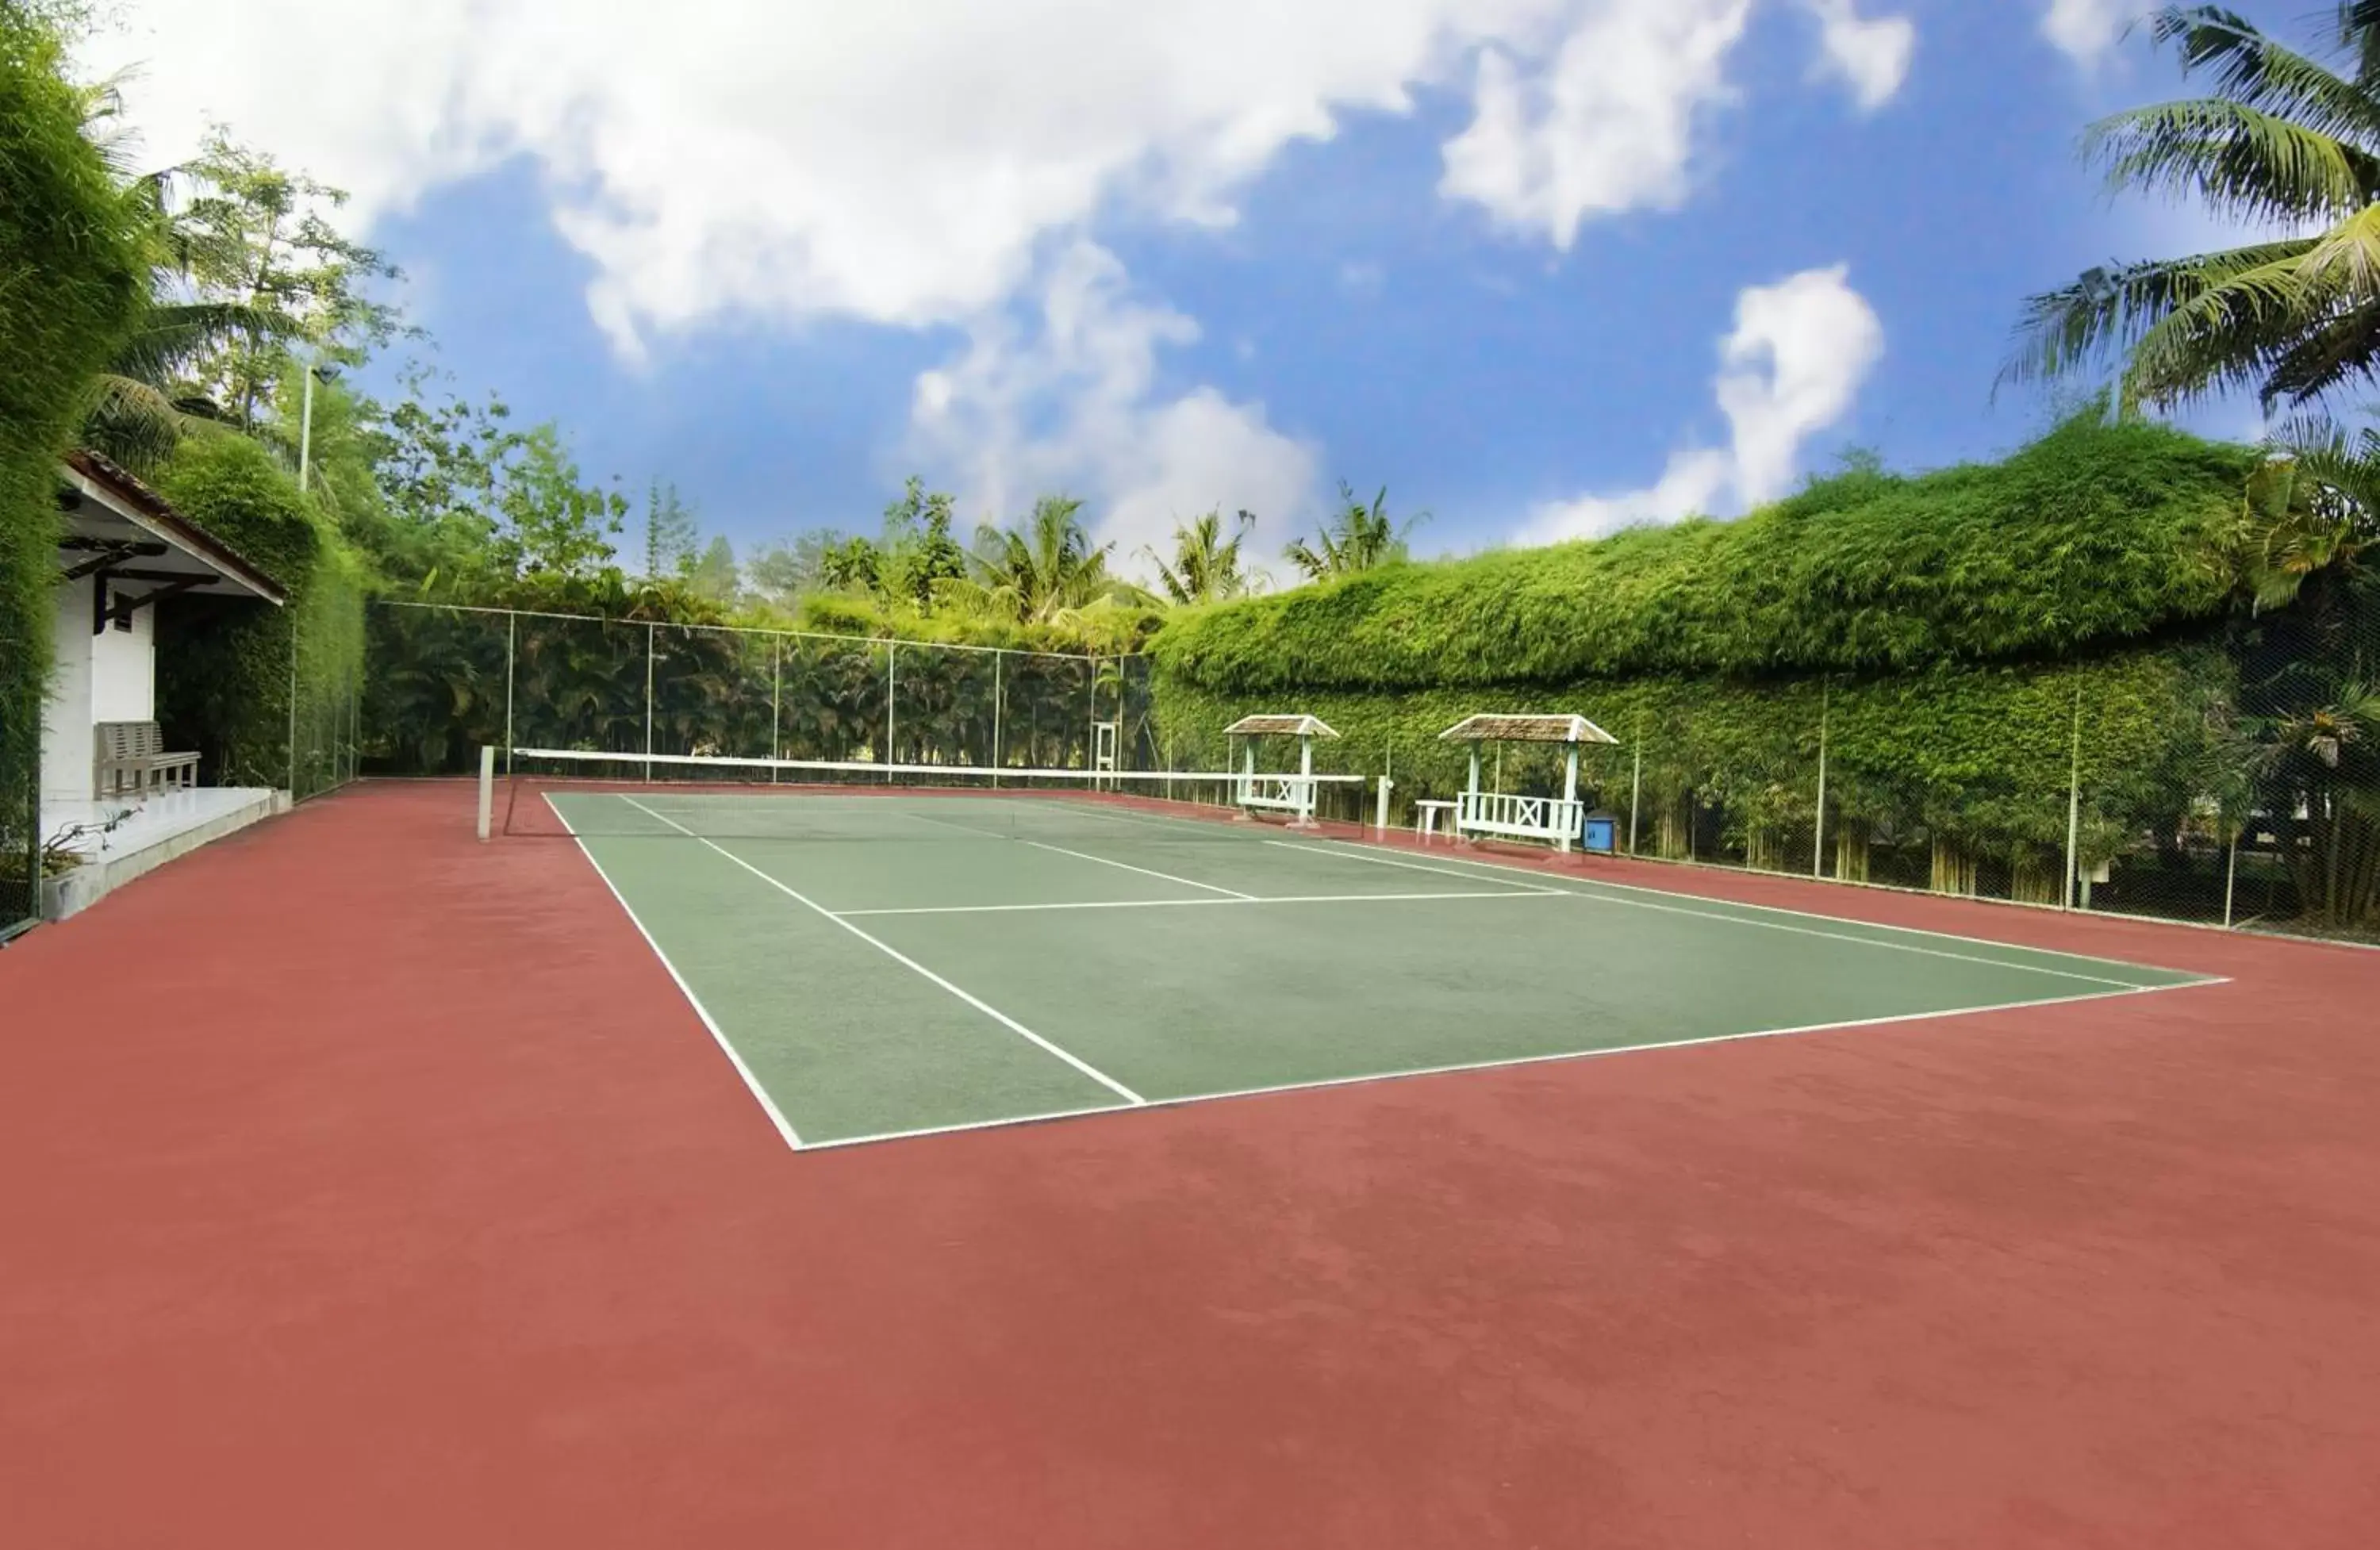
<point x="1067" y="400"/>
<point x="779" y="159"/>
<point x="2087" y="30"/>
<point x="1871" y="55"/>
<point x="1605" y="124"/>
<point x="1793" y="366"/>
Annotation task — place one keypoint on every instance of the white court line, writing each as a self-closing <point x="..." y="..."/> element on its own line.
<point x="1085" y="856"/>
<point x="1384" y="861"/>
<point x="1511" y="1061"/>
<point x="1720" y="905"/>
<point x="1202" y="904"/>
<point x="1102" y="1078"/>
<point x="1723" y="916"/>
<point x="1147" y="872"/>
<point x="776" y="1115"/>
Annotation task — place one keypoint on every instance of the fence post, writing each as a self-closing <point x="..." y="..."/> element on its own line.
<point x="650" y="630"/>
<point x="2230" y="876"/>
<point x="892" y="652"/>
<point x="996" y="656"/>
<point x="776" y="704"/>
<point x="512" y="654"/>
<point x="1637" y="786"/>
<point x="293" y="707"/>
<point x="1818" y="845"/>
<point x="2075" y="811"/>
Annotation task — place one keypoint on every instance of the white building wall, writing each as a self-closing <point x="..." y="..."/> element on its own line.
<point x="124" y="669"/>
<point x="66" y="715"/>
<point x="111" y="676"/>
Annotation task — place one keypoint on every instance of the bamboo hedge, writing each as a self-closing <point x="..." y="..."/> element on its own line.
<point x="1987" y="655"/>
<point x="2096" y="535"/>
<point x="227" y="670"/>
<point x="70" y="280"/>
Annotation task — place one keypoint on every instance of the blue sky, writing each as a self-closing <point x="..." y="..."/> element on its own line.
<point x="1541" y="267"/>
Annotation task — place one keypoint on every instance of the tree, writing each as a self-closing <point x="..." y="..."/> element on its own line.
<point x="917" y="555"/>
<point x="2284" y="142"/>
<point x="671" y="534"/>
<point x="551" y="522"/>
<point x="712" y="572"/>
<point x="251" y="235"/>
<point x="1205" y="565"/>
<point x="1048" y="569"/>
<point x="1357" y="538"/>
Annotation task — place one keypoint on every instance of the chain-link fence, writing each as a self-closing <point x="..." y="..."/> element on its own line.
<point x="2232" y="783"/>
<point x="2238" y="787"/>
<point x="442" y="680"/>
<point x="20" y="856"/>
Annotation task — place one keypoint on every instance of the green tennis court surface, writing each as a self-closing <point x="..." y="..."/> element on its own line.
<point x="884" y="964"/>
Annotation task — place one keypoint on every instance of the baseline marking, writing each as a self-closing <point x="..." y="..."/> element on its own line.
<point x="1510" y="1062"/>
<point x="1199" y="903"/>
<point x="1721" y="916"/>
<point x="1102" y="1078"/>
<point x="768" y="1106"/>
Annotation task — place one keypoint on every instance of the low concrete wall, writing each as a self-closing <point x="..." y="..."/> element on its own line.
<point x="72" y="892"/>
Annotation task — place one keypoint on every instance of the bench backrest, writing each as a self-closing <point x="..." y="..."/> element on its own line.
<point x="127" y="740"/>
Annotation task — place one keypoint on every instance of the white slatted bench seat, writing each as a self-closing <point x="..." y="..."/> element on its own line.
<point x="135" y="751"/>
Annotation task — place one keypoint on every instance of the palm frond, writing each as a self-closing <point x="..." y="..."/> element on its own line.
<point x="2242" y="161"/>
<point x="2252" y="69"/>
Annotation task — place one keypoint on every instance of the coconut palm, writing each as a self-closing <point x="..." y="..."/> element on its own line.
<point x="1048" y="569"/>
<point x="1206" y="566"/>
<point x="2312" y="507"/>
<point x="2286" y="143"/>
<point x="1356" y="538"/>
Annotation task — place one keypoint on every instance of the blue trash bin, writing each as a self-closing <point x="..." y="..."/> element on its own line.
<point x="1601" y="832"/>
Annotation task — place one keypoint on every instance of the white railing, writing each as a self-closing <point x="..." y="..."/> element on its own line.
<point x="1520" y="817"/>
<point x="1279" y="794"/>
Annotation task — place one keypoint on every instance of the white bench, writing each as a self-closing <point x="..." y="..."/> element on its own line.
<point x="135" y="752"/>
<point x="1550" y="818"/>
<point x="1425" y="817"/>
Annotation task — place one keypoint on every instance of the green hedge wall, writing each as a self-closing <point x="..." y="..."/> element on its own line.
<point x="71" y="278"/>
<point x="223" y="667"/>
<point x="1979" y="759"/>
<point x="2098" y="534"/>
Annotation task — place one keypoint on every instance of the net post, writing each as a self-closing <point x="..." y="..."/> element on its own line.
<point x="486" y="789"/>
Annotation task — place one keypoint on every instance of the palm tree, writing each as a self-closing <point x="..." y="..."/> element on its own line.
<point x="2312" y="507"/>
<point x="146" y="398"/>
<point x="1357" y="538"/>
<point x="1205" y="565"/>
<point x="2284" y="142"/>
<point x="1049" y="569"/>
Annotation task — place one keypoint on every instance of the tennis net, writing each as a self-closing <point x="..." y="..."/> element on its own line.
<point x="569" y="792"/>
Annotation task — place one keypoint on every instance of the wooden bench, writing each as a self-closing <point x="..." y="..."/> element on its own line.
<point x="136" y="750"/>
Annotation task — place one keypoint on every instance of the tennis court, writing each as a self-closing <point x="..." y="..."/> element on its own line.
<point x="886" y="961"/>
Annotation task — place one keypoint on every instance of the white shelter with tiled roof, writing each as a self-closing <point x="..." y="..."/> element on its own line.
<point x="1292" y="794"/>
<point x="1502" y="816"/>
